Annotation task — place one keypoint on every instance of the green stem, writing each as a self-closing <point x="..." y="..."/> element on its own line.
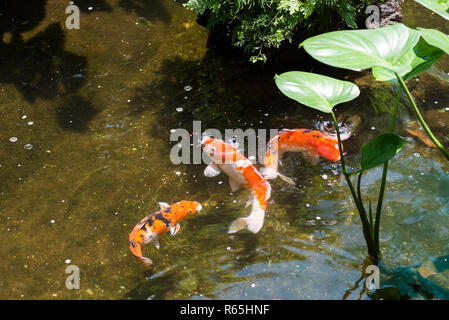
<point x="421" y="119"/>
<point x="384" y="177"/>
<point x="359" y="205"/>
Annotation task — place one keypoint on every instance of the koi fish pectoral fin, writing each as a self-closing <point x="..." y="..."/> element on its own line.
<point x="287" y="179"/>
<point x="156" y="243"/>
<point x="163" y="205"/>
<point x="234" y="185"/>
<point x="174" y="230"/>
<point x="212" y="170"/>
<point x="268" y="173"/>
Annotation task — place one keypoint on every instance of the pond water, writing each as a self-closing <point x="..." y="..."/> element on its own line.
<point x="85" y="120"/>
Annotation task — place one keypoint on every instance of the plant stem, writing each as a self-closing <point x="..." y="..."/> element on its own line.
<point x="421" y="119"/>
<point x="384" y="177"/>
<point x="359" y="205"/>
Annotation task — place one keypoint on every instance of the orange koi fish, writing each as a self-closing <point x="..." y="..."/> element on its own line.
<point x="241" y="173"/>
<point x="312" y="143"/>
<point x="150" y="228"/>
<point x="415" y="129"/>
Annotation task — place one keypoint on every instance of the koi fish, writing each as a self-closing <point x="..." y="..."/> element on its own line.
<point x="313" y="143"/>
<point x="150" y="228"/>
<point x="241" y="173"/>
<point x="415" y="129"/>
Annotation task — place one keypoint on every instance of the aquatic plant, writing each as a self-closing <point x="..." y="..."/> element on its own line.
<point x="323" y="93"/>
<point x="257" y="25"/>
<point x="440" y="7"/>
<point x="393" y="53"/>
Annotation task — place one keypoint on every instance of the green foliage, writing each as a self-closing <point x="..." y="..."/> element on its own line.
<point x="390" y="47"/>
<point x="438" y="6"/>
<point x="258" y="25"/>
<point x="380" y="149"/>
<point x="316" y="91"/>
<point x="391" y="52"/>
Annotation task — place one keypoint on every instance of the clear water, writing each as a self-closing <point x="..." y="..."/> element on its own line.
<point x="85" y="122"/>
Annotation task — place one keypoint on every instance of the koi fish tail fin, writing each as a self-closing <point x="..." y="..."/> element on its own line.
<point x="145" y="260"/>
<point x="237" y="225"/>
<point x="253" y="222"/>
<point x="136" y="250"/>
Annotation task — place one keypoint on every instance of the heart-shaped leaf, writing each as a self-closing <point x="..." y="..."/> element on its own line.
<point x="420" y="58"/>
<point x="379" y="150"/>
<point x="316" y="91"/>
<point x="440" y="7"/>
<point x="363" y="49"/>
<point x="436" y="38"/>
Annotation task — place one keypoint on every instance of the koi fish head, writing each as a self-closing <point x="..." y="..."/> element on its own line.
<point x="183" y="209"/>
<point x="219" y="151"/>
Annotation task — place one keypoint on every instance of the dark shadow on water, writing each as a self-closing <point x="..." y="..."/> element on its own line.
<point x="151" y="10"/>
<point x="38" y="66"/>
<point x="74" y="113"/>
<point x="20" y="16"/>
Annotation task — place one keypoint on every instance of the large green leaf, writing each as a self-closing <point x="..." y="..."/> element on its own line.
<point x="420" y="58"/>
<point x="438" y="6"/>
<point x="379" y="150"/>
<point x="363" y="49"/>
<point x="436" y="38"/>
<point x="316" y="91"/>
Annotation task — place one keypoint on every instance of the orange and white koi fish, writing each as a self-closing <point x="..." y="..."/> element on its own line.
<point x="313" y="143"/>
<point x="241" y="173"/>
<point x="150" y="228"/>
